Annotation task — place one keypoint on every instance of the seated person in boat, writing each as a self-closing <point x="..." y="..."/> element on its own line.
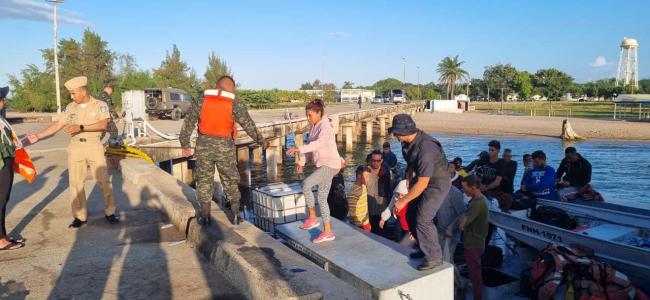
<point x="540" y="181"/>
<point x="456" y="177"/>
<point x="573" y="174"/>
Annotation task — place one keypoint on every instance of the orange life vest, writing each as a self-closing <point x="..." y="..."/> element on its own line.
<point x="216" y="118"/>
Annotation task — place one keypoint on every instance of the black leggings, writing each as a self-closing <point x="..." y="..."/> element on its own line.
<point x="6" y="181"/>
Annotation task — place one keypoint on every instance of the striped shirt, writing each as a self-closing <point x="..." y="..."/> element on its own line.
<point x="358" y="205"/>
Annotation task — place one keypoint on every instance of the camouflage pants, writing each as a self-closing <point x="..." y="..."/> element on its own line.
<point x="111" y="129"/>
<point x="220" y="151"/>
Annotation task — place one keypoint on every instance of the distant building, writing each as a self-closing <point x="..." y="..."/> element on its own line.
<point x="461" y="97"/>
<point x="538" y="98"/>
<point x="352" y="95"/>
<point x="512" y="97"/>
<point x="315" y="93"/>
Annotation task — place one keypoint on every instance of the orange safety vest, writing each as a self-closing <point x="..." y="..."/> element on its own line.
<point x="216" y="118"/>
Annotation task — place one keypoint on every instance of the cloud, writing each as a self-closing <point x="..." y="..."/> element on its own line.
<point x="600" y="61"/>
<point x="38" y="11"/>
<point x="337" y="33"/>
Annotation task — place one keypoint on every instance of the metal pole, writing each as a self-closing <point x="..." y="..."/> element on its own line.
<point x="419" y="93"/>
<point x="501" y="99"/>
<point x="56" y="63"/>
<point x="614" y="111"/>
<point x="639" y="111"/>
<point x="404" y="70"/>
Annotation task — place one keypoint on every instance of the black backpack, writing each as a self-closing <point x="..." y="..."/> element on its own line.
<point x="554" y="216"/>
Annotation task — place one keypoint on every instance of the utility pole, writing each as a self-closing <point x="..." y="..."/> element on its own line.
<point x="404" y="70"/>
<point x="419" y="94"/>
<point x="56" y="58"/>
<point x="502" y="100"/>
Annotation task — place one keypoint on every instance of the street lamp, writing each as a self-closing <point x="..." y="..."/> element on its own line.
<point x="56" y="57"/>
<point x="419" y="94"/>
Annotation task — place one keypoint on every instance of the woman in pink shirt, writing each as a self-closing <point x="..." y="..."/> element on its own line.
<point x="321" y="149"/>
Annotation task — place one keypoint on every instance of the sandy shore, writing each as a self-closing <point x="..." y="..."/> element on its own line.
<point x="475" y="123"/>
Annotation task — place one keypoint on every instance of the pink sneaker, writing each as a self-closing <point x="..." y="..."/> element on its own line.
<point x="310" y="224"/>
<point x="324" y="237"/>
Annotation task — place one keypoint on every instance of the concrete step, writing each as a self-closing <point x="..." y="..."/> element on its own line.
<point x="377" y="270"/>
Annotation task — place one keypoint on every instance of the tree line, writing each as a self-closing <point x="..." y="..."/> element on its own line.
<point x="33" y="89"/>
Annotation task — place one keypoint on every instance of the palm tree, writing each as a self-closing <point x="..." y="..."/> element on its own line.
<point x="451" y="72"/>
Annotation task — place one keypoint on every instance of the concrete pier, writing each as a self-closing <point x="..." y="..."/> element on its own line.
<point x="243" y="156"/>
<point x="257" y="155"/>
<point x="382" y="126"/>
<point x="349" y="136"/>
<point x="299" y="139"/>
<point x="369" y="128"/>
<point x="376" y="269"/>
<point x="274" y="152"/>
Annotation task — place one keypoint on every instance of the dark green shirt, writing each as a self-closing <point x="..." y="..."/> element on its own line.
<point x="474" y="223"/>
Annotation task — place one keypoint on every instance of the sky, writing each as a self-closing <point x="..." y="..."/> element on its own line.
<point x="283" y="43"/>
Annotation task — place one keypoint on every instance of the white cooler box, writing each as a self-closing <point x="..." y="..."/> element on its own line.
<point x="279" y="203"/>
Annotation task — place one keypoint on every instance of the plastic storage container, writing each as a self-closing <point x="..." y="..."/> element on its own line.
<point x="278" y="204"/>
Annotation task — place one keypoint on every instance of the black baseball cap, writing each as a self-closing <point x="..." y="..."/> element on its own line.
<point x="402" y="125"/>
<point x="484" y="155"/>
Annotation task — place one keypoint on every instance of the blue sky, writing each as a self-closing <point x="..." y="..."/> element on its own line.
<point x="280" y="44"/>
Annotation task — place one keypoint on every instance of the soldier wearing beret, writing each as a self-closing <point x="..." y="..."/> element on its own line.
<point x="84" y="119"/>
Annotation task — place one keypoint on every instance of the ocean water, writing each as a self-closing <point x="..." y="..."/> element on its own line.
<point x="620" y="169"/>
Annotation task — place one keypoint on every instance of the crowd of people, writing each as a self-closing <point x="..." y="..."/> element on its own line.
<point x="432" y="204"/>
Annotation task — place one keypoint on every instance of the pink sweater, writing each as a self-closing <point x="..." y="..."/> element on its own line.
<point x="321" y="146"/>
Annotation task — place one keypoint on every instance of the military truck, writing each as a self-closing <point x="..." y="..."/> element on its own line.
<point x="170" y="103"/>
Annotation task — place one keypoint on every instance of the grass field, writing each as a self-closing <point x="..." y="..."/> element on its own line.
<point x="565" y="109"/>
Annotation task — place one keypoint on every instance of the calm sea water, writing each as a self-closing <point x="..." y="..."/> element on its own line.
<point x="621" y="169"/>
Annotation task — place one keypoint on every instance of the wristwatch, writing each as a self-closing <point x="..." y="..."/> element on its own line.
<point x="81" y="128"/>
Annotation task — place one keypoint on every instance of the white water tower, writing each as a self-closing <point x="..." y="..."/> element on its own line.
<point x="628" y="63"/>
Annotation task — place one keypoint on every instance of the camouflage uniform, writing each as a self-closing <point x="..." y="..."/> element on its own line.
<point x="210" y="150"/>
<point x="111" y="128"/>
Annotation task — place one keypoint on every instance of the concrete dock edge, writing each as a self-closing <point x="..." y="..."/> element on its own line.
<point x="260" y="266"/>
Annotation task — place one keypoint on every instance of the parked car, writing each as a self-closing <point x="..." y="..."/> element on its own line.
<point x="167" y="102"/>
<point x="378" y="99"/>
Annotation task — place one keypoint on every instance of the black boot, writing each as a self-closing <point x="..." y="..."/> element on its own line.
<point x="236" y="218"/>
<point x="203" y="217"/>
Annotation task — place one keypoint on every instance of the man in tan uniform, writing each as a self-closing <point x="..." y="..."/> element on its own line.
<point x="84" y="120"/>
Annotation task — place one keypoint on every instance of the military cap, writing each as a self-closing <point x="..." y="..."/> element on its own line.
<point x="76" y="83"/>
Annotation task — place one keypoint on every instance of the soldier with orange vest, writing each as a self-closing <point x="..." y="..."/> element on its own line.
<point x="216" y="115"/>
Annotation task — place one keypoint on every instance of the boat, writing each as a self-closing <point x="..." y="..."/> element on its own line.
<point x="608" y="240"/>
<point x="605" y="211"/>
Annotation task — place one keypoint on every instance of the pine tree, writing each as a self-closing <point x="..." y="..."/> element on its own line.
<point x="173" y="72"/>
<point x="216" y="68"/>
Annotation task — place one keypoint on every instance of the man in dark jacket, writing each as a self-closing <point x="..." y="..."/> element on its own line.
<point x="380" y="190"/>
<point x="510" y="170"/>
<point x="573" y="174"/>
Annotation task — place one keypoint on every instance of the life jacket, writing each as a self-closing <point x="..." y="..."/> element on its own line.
<point x="547" y="273"/>
<point x="591" y="279"/>
<point x="23" y="164"/>
<point x="216" y="117"/>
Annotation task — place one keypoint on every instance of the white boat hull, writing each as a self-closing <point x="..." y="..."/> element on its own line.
<point x="612" y="213"/>
<point x="633" y="261"/>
